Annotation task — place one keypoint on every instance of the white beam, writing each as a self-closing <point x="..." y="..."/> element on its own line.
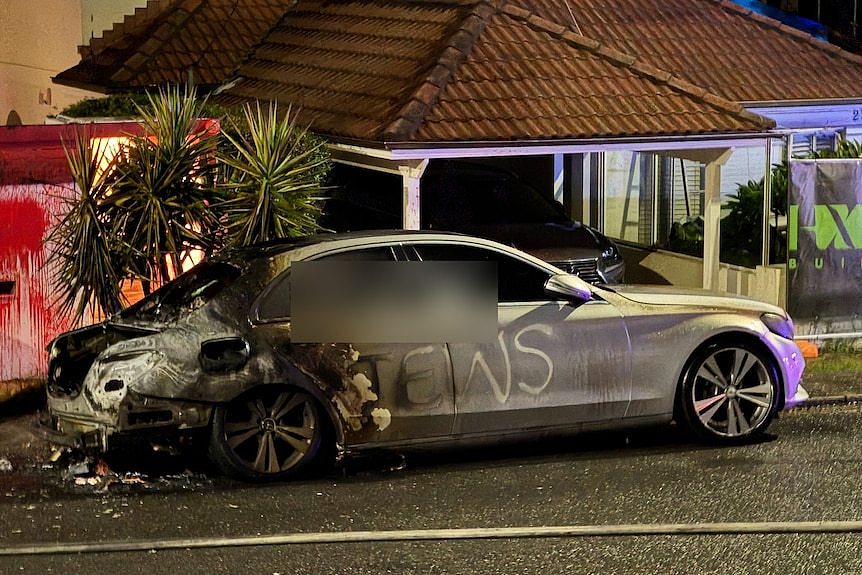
<point x="712" y="220"/>
<point x="765" y="240"/>
<point x="370" y="162"/>
<point x="558" y="178"/>
<point x="699" y="155"/>
<point x="411" y="173"/>
<point x="668" y="144"/>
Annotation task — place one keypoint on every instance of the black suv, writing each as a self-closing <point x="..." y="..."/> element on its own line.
<point x="480" y="200"/>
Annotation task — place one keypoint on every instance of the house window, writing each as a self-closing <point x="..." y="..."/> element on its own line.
<point x="806" y="143"/>
<point x="627" y="203"/>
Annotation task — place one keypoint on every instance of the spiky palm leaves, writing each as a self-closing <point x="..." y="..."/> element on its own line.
<point x="135" y="213"/>
<point x="81" y="243"/>
<point x="161" y="201"/>
<point x="273" y="178"/>
<point x="158" y="198"/>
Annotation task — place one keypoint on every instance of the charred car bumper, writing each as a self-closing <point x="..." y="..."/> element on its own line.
<point x="74" y="423"/>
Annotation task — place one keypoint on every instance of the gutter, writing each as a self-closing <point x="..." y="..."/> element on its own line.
<point x="480" y="148"/>
<point x="799" y="103"/>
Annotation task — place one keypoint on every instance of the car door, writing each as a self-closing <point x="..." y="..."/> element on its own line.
<point x="553" y="363"/>
<point x="412" y="382"/>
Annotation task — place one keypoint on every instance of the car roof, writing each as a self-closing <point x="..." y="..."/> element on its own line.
<point x="363" y="237"/>
<point x="286" y="244"/>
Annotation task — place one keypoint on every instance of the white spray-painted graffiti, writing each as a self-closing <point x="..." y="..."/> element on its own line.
<point x="503" y="392"/>
<point x="421" y="383"/>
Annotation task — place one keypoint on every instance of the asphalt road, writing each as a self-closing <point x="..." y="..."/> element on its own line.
<point x="780" y="489"/>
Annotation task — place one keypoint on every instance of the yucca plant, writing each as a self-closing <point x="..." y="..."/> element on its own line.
<point x="273" y="173"/>
<point x="161" y="203"/>
<point x="81" y="244"/>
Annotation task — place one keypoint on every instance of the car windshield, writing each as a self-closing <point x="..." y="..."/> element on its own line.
<point x="184" y="294"/>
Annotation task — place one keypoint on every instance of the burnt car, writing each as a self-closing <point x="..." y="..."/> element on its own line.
<point x="480" y="200"/>
<point x="215" y="351"/>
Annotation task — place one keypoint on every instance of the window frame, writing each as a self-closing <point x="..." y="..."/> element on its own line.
<point x="395" y="249"/>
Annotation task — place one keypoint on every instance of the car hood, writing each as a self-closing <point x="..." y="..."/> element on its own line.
<point x="701" y="298"/>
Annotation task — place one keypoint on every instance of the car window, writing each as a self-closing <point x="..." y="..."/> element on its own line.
<point x="275" y="304"/>
<point x="517" y="280"/>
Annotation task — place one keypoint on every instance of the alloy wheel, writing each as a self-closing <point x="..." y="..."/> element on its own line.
<point x="267" y="433"/>
<point x="731" y="393"/>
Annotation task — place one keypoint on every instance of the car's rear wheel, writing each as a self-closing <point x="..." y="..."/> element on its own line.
<point x="270" y="432"/>
<point x="729" y="394"/>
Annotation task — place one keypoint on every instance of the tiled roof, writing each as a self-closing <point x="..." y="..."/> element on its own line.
<point x="447" y="70"/>
<point x="528" y="78"/>
<point x="352" y="65"/>
<point x="401" y="71"/>
<point x="716" y="44"/>
<point x="162" y="42"/>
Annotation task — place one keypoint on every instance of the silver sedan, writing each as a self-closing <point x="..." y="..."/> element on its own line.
<point x="232" y="349"/>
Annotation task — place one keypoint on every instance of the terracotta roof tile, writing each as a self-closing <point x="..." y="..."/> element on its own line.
<point x="159" y="43"/>
<point x="568" y="88"/>
<point x="340" y="60"/>
<point x="719" y="45"/>
<point x="453" y="70"/>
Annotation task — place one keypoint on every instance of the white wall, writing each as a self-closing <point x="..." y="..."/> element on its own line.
<point x="743" y="165"/>
<point x="37" y="40"/>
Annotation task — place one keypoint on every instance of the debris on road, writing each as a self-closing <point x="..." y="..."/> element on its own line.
<point x="79" y="468"/>
<point x="5" y="464"/>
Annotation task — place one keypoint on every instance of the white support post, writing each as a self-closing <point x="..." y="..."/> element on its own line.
<point x="559" y="192"/>
<point x="712" y="220"/>
<point x="411" y="173"/>
<point x="767" y="206"/>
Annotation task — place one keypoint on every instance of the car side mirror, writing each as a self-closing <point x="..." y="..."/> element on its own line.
<point x="569" y="287"/>
<point x="224" y="354"/>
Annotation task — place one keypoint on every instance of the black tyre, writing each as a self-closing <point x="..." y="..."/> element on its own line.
<point x="729" y="394"/>
<point x="268" y="433"/>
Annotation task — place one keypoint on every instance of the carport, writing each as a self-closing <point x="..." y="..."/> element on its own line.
<point x="410" y="162"/>
<point x="418" y="82"/>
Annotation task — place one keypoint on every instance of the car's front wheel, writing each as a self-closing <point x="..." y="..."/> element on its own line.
<point x="270" y="432"/>
<point x="728" y="394"/>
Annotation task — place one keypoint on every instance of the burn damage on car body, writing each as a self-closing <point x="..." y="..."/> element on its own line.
<point x="135" y="373"/>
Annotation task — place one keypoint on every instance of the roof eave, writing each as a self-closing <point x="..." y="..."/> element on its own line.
<point x="640" y="139"/>
<point x="797" y="103"/>
<point x="483" y="148"/>
<point x="80" y="84"/>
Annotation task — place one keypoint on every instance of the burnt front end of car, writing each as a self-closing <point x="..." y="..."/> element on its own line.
<point x="90" y="399"/>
